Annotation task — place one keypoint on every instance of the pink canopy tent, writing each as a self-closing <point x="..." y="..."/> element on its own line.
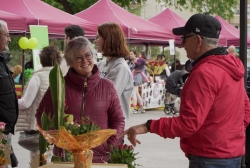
<point x="169" y="20"/>
<point x="39" y="13"/>
<point x="15" y="23"/>
<point x="231" y="33"/>
<point x="136" y="29"/>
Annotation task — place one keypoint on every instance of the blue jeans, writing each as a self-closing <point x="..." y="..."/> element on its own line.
<point x="203" y="162"/>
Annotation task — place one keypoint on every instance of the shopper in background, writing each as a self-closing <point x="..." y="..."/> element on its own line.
<point x="111" y="42"/>
<point x="70" y="32"/>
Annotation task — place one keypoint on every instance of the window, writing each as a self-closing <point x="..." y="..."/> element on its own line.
<point x="237" y="10"/>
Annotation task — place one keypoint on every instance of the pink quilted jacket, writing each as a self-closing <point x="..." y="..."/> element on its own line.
<point x="101" y="103"/>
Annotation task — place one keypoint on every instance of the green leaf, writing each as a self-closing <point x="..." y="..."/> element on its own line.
<point x="57" y="86"/>
<point x="43" y="144"/>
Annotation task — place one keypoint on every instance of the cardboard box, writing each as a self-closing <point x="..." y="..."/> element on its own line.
<point x="94" y="165"/>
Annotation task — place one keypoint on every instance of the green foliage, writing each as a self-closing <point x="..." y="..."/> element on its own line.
<point x="16" y="52"/>
<point x="86" y="125"/>
<point x="75" y="6"/>
<point x="28" y="74"/>
<point x="222" y="8"/>
<point x="43" y="144"/>
<point x="123" y="154"/>
<point x="170" y="58"/>
<point x="57" y="86"/>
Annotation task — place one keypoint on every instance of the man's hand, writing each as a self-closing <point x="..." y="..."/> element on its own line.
<point x="133" y="131"/>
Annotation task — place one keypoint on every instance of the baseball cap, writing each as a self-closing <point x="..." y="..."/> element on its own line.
<point x="200" y="24"/>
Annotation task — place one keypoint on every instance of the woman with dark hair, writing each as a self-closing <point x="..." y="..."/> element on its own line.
<point x="36" y="87"/>
<point x="111" y="42"/>
<point x="132" y="59"/>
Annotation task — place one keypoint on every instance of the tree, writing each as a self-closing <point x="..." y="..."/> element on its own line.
<point x="75" y="6"/>
<point x="223" y="8"/>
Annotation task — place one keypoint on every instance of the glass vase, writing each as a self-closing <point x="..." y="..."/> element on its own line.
<point x="82" y="159"/>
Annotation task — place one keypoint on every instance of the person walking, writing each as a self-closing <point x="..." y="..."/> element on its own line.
<point x="8" y="97"/>
<point x="215" y="109"/>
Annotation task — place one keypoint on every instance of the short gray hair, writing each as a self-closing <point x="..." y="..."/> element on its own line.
<point x="3" y="25"/>
<point x="75" y="46"/>
<point x="210" y="42"/>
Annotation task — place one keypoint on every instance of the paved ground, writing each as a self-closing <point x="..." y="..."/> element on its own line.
<point x="154" y="152"/>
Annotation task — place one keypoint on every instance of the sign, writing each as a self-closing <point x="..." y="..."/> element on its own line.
<point x="41" y="34"/>
<point x="153" y="95"/>
<point x="171" y="47"/>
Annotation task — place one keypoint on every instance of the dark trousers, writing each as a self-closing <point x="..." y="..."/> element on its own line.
<point x="247" y="155"/>
<point x="203" y="162"/>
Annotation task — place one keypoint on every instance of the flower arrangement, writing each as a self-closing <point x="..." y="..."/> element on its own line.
<point x="155" y="67"/>
<point x="2" y="144"/>
<point x="86" y="125"/>
<point x="123" y="154"/>
<point x="77" y="128"/>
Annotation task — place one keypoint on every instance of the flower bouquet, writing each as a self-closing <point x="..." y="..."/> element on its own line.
<point x="123" y="154"/>
<point x="76" y="139"/>
<point x="155" y="67"/>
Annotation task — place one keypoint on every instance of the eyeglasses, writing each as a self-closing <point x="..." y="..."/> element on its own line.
<point x="88" y="56"/>
<point x="6" y="35"/>
<point x="183" y="38"/>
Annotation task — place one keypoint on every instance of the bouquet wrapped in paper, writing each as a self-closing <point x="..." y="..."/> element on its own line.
<point x="155" y="67"/>
<point x="79" y="145"/>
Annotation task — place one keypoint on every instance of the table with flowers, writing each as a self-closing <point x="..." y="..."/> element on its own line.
<point x="94" y="165"/>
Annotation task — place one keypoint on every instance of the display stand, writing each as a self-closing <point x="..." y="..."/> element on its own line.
<point x="153" y="95"/>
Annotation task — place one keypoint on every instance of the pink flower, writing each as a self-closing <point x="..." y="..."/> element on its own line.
<point x="2" y="126"/>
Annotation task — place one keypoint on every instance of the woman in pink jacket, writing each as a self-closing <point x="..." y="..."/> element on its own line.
<point x="87" y="94"/>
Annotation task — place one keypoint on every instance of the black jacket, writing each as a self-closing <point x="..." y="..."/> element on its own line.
<point x="8" y="98"/>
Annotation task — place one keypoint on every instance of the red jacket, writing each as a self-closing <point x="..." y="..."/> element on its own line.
<point x="101" y="103"/>
<point x="214" y="110"/>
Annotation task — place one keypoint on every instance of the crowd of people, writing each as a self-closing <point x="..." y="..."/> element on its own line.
<point x="214" y="109"/>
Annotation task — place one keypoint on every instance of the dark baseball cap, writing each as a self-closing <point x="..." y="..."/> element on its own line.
<point x="200" y="24"/>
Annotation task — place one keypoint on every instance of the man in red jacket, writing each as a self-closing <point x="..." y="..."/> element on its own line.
<point x="214" y="109"/>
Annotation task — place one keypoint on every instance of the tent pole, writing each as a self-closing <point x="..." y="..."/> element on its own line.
<point x="23" y="65"/>
<point x="243" y="57"/>
<point x="147" y="49"/>
<point x="243" y="34"/>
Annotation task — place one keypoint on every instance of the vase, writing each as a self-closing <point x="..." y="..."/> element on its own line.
<point x="82" y="159"/>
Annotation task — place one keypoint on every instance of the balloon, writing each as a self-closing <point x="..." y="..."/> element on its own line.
<point x="32" y="43"/>
<point x="23" y="43"/>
